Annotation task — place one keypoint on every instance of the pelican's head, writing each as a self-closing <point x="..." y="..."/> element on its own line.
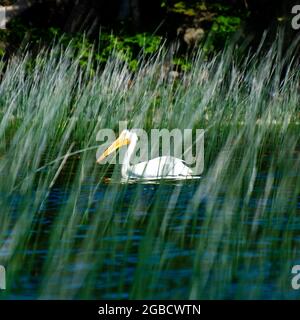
<point x="124" y="139"/>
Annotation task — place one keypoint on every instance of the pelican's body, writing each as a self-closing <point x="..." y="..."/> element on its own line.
<point x="157" y="168"/>
<point x="165" y="167"/>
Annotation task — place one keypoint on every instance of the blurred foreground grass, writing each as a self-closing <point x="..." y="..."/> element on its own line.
<point x="234" y="234"/>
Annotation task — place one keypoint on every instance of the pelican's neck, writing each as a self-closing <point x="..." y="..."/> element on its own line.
<point x="128" y="155"/>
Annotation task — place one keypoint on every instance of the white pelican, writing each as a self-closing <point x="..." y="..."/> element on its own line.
<point x="165" y="167"/>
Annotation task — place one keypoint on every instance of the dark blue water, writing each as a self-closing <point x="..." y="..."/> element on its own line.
<point x="150" y="247"/>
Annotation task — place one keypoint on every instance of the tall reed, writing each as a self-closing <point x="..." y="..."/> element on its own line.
<point x="68" y="233"/>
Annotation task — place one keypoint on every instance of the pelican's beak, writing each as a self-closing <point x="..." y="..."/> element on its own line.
<point x="120" y="142"/>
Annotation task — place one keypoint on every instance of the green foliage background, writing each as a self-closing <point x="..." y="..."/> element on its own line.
<point x="225" y="22"/>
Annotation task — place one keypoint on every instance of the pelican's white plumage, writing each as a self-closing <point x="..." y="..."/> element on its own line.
<point x="165" y="167"/>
